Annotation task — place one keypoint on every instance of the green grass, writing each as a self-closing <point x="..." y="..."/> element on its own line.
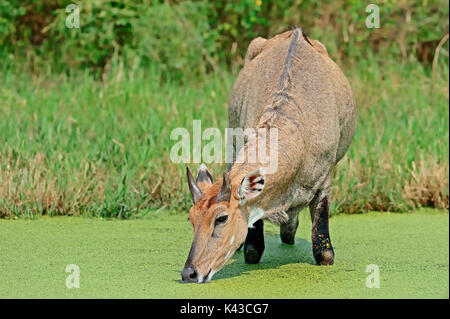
<point x="73" y="145"/>
<point x="142" y="258"/>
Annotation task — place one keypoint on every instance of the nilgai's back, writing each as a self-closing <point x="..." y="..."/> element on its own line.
<point x="313" y="91"/>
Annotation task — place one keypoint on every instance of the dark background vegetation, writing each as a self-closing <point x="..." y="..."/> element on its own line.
<point x="86" y="114"/>
<point x="191" y="38"/>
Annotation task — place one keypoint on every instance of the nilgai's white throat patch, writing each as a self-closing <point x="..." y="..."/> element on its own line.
<point x="228" y="254"/>
<point x="255" y="215"/>
<point x="211" y="273"/>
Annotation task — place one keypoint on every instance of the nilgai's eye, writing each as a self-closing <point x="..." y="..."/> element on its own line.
<point x="221" y="219"/>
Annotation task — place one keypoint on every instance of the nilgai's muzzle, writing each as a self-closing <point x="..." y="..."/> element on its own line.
<point x="189" y="274"/>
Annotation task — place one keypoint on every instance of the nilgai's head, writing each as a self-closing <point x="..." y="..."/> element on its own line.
<point x="220" y="220"/>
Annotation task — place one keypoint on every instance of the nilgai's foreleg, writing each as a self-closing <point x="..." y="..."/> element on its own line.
<point x="288" y="229"/>
<point x="254" y="243"/>
<point x="321" y="242"/>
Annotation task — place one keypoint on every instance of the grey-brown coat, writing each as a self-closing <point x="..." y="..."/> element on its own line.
<point x="289" y="83"/>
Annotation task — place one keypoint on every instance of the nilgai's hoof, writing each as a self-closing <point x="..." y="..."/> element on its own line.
<point x="251" y="255"/>
<point x="322" y="250"/>
<point x="324" y="257"/>
<point x="287" y="239"/>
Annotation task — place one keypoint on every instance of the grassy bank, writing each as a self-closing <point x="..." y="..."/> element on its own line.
<point x="143" y="258"/>
<point x="73" y="145"/>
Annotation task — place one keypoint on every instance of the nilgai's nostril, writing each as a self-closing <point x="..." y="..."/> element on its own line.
<point x="189" y="274"/>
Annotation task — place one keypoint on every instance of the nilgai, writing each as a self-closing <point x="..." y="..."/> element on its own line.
<point x="288" y="83"/>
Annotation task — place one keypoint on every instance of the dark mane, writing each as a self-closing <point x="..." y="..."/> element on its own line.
<point x="285" y="79"/>
<point x="283" y="95"/>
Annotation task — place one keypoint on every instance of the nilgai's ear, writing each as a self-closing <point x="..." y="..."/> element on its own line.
<point x="225" y="190"/>
<point x="193" y="187"/>
<point x="254" y="48"/>
<point x="204" y="178"/>
<point x="251" y="185"/>
<point x="319" y="47"/>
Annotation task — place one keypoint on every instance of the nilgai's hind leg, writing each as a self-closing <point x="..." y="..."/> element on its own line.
<point x="288" y="229"/>
<point x="321" y="242"/>
<point x="254" y="243"/>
